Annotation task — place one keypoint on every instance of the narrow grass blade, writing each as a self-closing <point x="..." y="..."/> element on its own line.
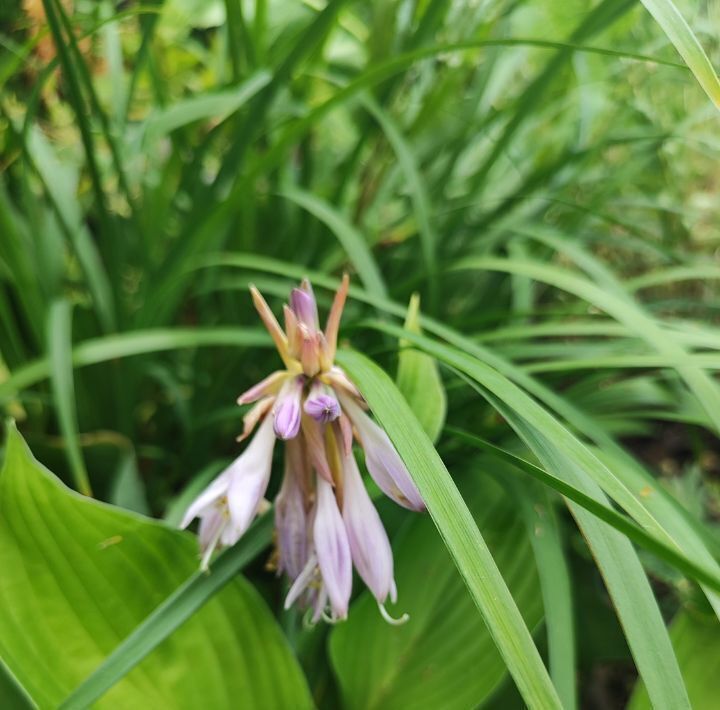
<point x="418" y="378"/>
<point x="133" y="343"/>
<point x="623" y="573"/>
<point x="351" y="239"/>
<point x="687" y="45"/>
<point x="59" y="339"/>
<point x="204" y="106"/>
<point x="621" y="523"/>
<point x="624" y="310"/>
<point x="418" y="191"/>
<point x="458" y="529"/>
<point x="555" y="585"/>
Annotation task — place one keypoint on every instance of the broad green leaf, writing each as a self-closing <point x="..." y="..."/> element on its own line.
<point x="444" y="656"/>
<point x="80" y="575"/>
<point x="458" y="530"/>
<point x="419" y="380"/>
<point x="12" y="695"/>
<point x="687" y="45"/>
<point x="696" y="639"/>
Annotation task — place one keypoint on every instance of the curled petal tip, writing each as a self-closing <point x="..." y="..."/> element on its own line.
<point x="402" y="619"/>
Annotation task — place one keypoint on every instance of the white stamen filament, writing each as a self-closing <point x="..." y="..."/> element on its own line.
<point x="391" y="619"/>
<point x="302" y="582"/>
<point x="204" y="564"/>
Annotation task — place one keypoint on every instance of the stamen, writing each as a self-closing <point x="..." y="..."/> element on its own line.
<point x="302" y="582"/>
<point x="329" y="618"/>
<point x="308" y="623"/>
<point x="391" y="619"/>
<point x="204" y="564"/>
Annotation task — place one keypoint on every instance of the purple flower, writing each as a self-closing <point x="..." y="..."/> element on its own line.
<point x="321" y="404"/>
<point x="325" y="520"/>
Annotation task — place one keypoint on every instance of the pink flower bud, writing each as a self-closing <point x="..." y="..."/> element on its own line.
<point x="286" y="412"/>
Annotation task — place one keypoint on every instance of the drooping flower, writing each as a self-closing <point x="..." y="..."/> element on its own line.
<point x="325" y="520"/>
<point x="229" y="504"/>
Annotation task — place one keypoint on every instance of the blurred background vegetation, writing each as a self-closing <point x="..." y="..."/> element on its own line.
<point x="157" y="157"/>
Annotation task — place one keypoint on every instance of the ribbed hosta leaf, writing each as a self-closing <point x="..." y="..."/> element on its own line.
<point x="443" y="657"/>
<point x="78" y="576"/>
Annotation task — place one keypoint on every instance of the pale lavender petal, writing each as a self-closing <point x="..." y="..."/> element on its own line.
<point x="210" y="527"/>
<point x="383" y="462"/>
<point x="336" y="377"/>
<point x="250" y="475"/>
<point x="309" y="350"/>
<point x="313" y="433"/>
<point x="254" y="415"/>
<point x="333" y="549"/>
<point x="230" y="534"/>
<point x="291" y="520"/>
<point x="321" y="404"/>
<point x="216" y="490"/>
<point x="346" y="432"/>
<point x="369" y="544"/>
<point x="287" y="411"/>
<point x="305" y="308"/>
<point x="270" y="385"/>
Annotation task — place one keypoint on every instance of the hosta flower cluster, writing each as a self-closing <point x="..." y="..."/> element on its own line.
<point x="324" y="517"/>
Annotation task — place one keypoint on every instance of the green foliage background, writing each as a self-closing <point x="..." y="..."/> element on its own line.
<point x="541" y="174"/>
